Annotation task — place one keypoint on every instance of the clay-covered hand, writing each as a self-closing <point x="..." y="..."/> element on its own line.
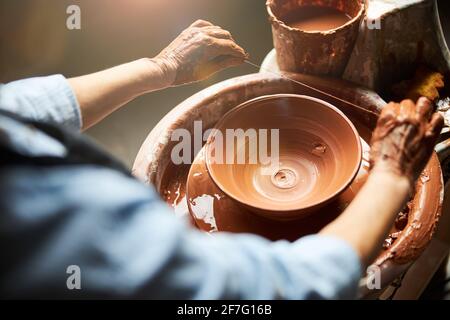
<point x="404" y="138"/>
<point x="198" y="52"/>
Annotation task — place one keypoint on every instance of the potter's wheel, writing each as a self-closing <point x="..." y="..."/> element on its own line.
<point x="212" y="210"/>
<point x="315" y="152"/>
<point x="413" y="229"/>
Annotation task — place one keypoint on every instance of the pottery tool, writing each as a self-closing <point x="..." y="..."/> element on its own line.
<point x="309" y="87"/>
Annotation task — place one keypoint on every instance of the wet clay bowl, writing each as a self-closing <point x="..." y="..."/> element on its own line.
<point x="153" y="165"/>
<point x="212" y="210"/>
<point x="320" y="45"/>
<point x="318" y="153"/>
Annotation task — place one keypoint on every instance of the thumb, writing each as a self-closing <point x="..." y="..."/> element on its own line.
<point x="226" y="61"/>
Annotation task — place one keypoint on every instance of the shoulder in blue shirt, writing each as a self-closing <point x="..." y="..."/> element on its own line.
<point x="128" y="243"/>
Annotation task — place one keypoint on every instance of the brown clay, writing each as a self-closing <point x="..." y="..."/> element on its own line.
<point x="153" y="163"/>
<point x="173" y="191"/>
<point x="320" y="52"/>
<point x="316" y="18"/>
<point x="213" y="210"/>
<point x="319" y="155"/>
<point x="405" y="136"/>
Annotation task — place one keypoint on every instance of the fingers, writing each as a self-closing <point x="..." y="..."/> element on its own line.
<point x="407" y="109"/>
<point x="223" y="62"/>
<point x="218" y="32"/>
<point x="389" y="110"/>
<point x="424" y="107"/>
<point x="201" y="23"/>
<point x="405" y="135"/>
<point x="203" y="49"/>
<point x="212" y="30"/>
<point x="225" y="47"/>
<point x="216" y="65"/>
<point x="435" y="126"/>
<point x="221" y="41"/>
<point x="432" y="134"/>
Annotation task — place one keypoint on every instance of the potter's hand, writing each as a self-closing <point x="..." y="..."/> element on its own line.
<point x="198" y="52"/>
<point x="405" y="137"/>
<point x="401" y="146"/>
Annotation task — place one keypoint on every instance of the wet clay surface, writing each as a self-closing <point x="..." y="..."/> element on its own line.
<point x="153" y="161"/>
<point x="319" y="155"/>
<point x="409" y="135"/>
<point x="174" y="190"/>
<point x="416" y="221"/>
<point x="315" y="18"/>
<point x="300" y="48"/>
<point x="213" y="210"/>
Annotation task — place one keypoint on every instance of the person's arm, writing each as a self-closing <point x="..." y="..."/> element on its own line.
<point x="80" y="102"/>
<point x="128" y="244"/>
<point x="369" y="217"/>
<point x="401" y="146"/>
<point x="199" y="51"/>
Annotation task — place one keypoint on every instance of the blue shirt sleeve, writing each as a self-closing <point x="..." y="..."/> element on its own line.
<point x="47" y="99"/>
<point x="128" y="244"/>
<point x="125" y="241"/>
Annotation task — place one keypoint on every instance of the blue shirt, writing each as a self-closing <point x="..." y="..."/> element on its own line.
<point x="126" y="242"/>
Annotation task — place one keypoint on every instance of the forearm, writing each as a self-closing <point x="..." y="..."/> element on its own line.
<point x="369" y="217"/>
<point x="199" y="51"/>
<point x="128" y="245"/>
<point x="101" y="93"/>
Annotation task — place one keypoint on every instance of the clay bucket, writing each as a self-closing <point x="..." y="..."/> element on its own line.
<point x="153" y="163"/>
<point x="314" y="52"/>
<point x="318" y="155"/>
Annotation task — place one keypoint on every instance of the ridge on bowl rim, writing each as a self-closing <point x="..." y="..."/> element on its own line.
<point x="323" y="176"/>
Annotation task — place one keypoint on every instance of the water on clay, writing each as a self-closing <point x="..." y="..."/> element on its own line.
<point x="174" y="191"/>
<point x="204" y="210"/>
<point x="213" y="211"/>
<point x="316" y="18"/>
<point x="296" y="179"/>
<point x="315" y="156"/>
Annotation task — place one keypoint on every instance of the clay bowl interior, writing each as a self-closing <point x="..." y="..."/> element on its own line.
<point x="212" y="210"/>
<point x="153" y="163"/>
<point x="283" y="9"/>
<point x="319" y="155"/>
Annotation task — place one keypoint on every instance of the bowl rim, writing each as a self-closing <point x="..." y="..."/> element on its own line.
<point x="278" y="96"/>
<point x="277" y="20"/>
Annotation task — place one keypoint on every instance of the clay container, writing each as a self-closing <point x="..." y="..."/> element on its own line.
<point x="319" y="154"/>
<point x="314" y="36"/>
